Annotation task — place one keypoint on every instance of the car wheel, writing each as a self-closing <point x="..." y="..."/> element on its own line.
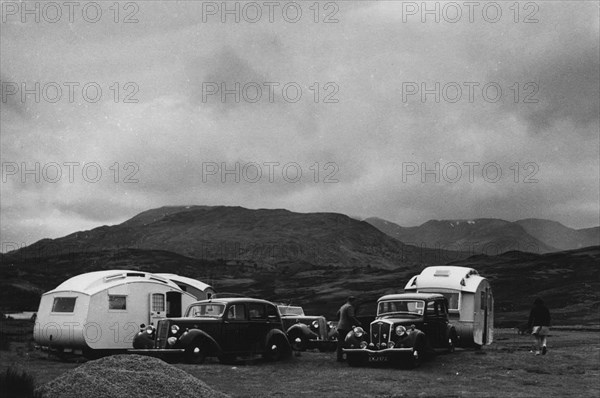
<point x="452" y="343"/>
<point x="196" y="352"/>
<point x="416" y="357"/>
<point x="298" y="341"/>
<point x="276" y="349"/>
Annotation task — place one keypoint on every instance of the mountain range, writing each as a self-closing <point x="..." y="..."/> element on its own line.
<point x="310" y="259"/>
<point x="492" y="236"/>
<point x="266" y="237"/>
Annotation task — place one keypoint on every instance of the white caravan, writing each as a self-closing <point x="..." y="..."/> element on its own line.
<point x="103" y="310"/>
<point x="471" y="304"/>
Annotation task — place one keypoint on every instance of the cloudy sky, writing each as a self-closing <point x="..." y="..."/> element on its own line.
<point x="364" y="108"/>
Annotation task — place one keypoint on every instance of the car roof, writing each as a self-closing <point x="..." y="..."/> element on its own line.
<point x="413" y="296"/>
<point x="227" y="300"/>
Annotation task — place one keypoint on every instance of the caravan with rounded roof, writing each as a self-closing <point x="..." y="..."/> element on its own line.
<point x="470" y="299"/>
<point x="103" y="310"/>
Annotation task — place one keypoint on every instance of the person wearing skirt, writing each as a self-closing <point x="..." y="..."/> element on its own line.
<point x="539" y="324"/>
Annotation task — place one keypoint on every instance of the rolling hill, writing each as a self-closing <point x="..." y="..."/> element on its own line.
<point x="265" y="237"/>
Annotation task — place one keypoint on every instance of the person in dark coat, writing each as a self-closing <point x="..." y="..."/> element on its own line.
<point x="539" y="324"/>
<point x="347" y="319"/>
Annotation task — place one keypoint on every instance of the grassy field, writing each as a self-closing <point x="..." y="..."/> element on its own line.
<point x="506" y="368"/>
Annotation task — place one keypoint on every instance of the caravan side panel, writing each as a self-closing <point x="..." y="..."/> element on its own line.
<point x="61" y="320"/>
<point x="115" y="314"/>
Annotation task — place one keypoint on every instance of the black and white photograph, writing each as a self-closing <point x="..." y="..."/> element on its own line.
<point x="235" y="198"/>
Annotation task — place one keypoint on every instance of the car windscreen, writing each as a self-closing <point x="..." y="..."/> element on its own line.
<point x="413" y="307"/>
<point x="286" y="310"/>
<point x="206" y="310"/>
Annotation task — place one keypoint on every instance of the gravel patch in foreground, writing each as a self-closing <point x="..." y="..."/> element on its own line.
<point x="132" y="376"/>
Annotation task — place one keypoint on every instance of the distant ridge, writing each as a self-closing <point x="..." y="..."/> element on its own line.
<point x="491" y="236"/>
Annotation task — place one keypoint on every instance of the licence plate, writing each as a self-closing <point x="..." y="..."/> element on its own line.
<point x="378" y="359"/>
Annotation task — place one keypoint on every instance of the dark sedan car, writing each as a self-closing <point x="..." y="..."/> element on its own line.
<point x="407" y="327"/>
<point x="307" y="331"/>
<point x="225" y="328"/>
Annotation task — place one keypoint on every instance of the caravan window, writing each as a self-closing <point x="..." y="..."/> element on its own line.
<point x="63" y="304"/>
<point x="117" y="302"/>
<point x="452" y="300"/>
<point x="158" y="302"/>
<point x="452" y="297"/>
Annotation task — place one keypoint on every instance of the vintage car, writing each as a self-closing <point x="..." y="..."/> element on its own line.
<point x="407" y="327"/>
<point x="225" y="328"/>
<point x="307" y="331"/>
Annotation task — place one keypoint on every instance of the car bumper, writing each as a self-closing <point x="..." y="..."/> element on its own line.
<point x="384" y="355"/>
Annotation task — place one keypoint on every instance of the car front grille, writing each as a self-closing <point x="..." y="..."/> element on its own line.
<point x="380" y="333"/>
<point x="162" y="333"/>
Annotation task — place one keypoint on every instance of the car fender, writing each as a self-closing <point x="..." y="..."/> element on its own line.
<point x="188" y="337"/>
<point x="143" y="340"/>
<point x="415" y="336"/>
<point x="352" y="341"/>
<point x="303" y="330"/>
<point x="276" y="332"/>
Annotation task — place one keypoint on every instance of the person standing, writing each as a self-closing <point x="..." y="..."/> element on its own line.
<point x="539" y="324"/>
<point x="347" y="319"/>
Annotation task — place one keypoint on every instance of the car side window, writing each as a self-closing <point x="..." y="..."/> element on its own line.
<point x="256" y="311"/>
<point x="443" y="309"/>
<point x="236" y="312"/>
<point x="431" y="308"/>
<point x="272" y="312"/>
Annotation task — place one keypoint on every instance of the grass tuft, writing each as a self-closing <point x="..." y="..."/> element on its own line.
<point x="16" y="384"/>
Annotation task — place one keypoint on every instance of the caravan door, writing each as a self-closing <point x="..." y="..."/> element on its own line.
<point x="483" y="322"/>
<point x="157" y="307"/>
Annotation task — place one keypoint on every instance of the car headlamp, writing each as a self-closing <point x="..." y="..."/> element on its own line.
<point x="315" y="324"/>
<point x="149" y="329"/>
<point x="358" y="331"/>
<point x="172" y="340"/>
<point x="400" y="330"/>
<point x="174" y="329"/>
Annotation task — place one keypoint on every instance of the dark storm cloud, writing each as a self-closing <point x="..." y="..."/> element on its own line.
<point x="369" y="134"/>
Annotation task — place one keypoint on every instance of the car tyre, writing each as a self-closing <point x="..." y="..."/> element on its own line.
<point x="452" y="342"/>
<point x="277" y="349"/>
<point x="196" y="352"/>
<point x="298" y="341"/>
<point x="416" y="357"/>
